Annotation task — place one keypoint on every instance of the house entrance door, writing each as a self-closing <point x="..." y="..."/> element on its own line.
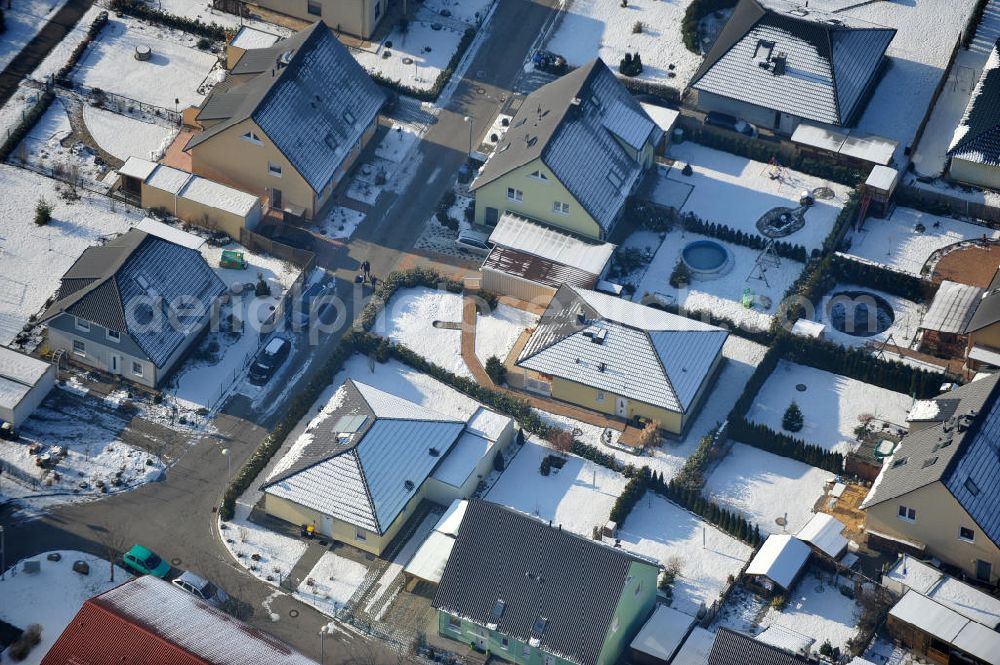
<point x="327" y="527"/>
<point x="621" y="407"/>
<point x="276" y="198"/>
<point x="984" y="570"/>
<point x="115" y="363"/>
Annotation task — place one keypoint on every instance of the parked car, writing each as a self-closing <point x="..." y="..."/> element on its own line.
<point x="144" y="561"/>
<point x="550" y="62"/>
<point x="474" y="241"/>
<point x="269" y="361"/>
<point x="301" y="312"/>
<point x="729" y="122"/>
<point x="202" y="588"/>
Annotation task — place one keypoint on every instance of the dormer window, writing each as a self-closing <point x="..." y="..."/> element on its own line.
<point x="330" y="140"/>
<point x="538" y="175"/>
<point x="349" y="117"/>
<point x="252" y="138"/>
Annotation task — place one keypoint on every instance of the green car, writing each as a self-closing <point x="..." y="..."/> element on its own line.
<point x="145" y="561"/>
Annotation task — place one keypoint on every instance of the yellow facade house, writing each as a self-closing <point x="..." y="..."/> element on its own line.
<point x="937" y="494"/>
<point x="621" y="358"/>
<point x="358" y="18"/>
<point x="369" y="459"/>
<point x="289" y="122"/>
<point x="983" y="330"/>
<point x="573" y="153"/>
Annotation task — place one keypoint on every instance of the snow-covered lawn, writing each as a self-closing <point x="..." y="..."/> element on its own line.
<point x="735" y="191"/>
<point x="497" y="332"/>
<point x="24" y="19"/>
<point x="388" y="169"/>
<point x="50" y="145"/>
<point x="60" y="53"/>
<point x="202" y="10"/>
<point x="579" y="496"/>
<point x="176" y="70"/>
<point x="123" y="136"/>
<point x="817" y="609"/>
<point x="765" y="487"/>
<point x="416" y="58"/>
<point x="52" y="597"/>
<point x="277" y="552"/>
<point x="662" y="530"/>
<point x="397" y="143"/>
<point x="410" y="316"/>
<point x="33" y="257"/>
<point x="342" y="222"/>
<point x="16" y="107"/>
<point x="331" y="583"/>
<point x="602" y="28"/>
<point x="95" y="453"/>
<point x="831" y="404"/>
<point x="467" y="11"/>
<point x="719" y="294"/>
<point x="905" y="324"/>
<point x="895" y="242"/>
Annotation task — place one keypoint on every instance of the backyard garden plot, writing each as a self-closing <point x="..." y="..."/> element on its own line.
<point x="847" y="312"/>
<point x="816" y="608"/>
<point x="124" y="136"/>
<point x="23" y="20"/>
<point x="331" y="583"/>
<point x="428" y="321"/>
<point x="898" y="243"/>
<point x="268" y="555"/>
<point x="498" y="331"/>
<point x="53" y="596"/>
<point x="52" y="146"/>
<point x="342" y="222"/>
<point x="720" y="293"/>
<point x="832" y="405"/>
<point x="35" y="257"/>
<point x="414" y="59"/>
<point x="579" y="496"/>
<point x="175" y="71"/>
<point x="736" y="191"/>
<point x="705" y="556"/>
<point x="11" y="113"/>
<point x="765" y="487"/>
<point x="600" y="28"/>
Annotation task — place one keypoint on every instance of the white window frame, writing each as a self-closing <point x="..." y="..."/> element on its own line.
<point x="82" y="324"/>
<point x="514" y="194"/>
<point x="600" y="396"/>
<point x="906" y="513"/>
<point x="250" y="137"/>
<point x="560" y="208"/>
<point x="113" y="335"/>
<point x="136" y="368"/>
<point x="538" y="175"/>
<point x="274" y="169"/>
<point x="82" y="351"/>
<point x="963" y="538"/>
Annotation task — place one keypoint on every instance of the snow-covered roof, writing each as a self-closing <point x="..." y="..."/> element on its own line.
<point x="452" y="518"/>
<point x="663" y="633"/>
<point x="462" y="460"/>
<point x="430" y="560"/>
<point x="137" y="167"/>
<point x="624" y="348"/>
<point x="248" y="38"/>
<point x="924" y="410"/>
<point x="883" y="178"/>
<point x="848" y="142"/>
<point x="219" y="196"/>
<point x="977" y="137"/>
<point x="663" y="117"/>
<point x="524" y="235"/>
<point x="779" y="559"/>
<point x="696" y="648"/>
<point x="19" y="373"/>
<point x="168" y="179"/>
<point x="953" y="307"/>
<point x="808" y="328"/>
<point x="170" y="233"/>
<point x="824" y="532"/>
<point x="787" y="639"/>
<point x="488" y="423"/>
<point x="970" y="602"/>
<point x="985" y="355"/>
<point x="948" y="625"/>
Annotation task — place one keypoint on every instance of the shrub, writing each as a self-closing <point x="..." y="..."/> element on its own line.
<point x="792" y="420"/>
<point x="448" y="199"/>
<point x="637" y="28"/>
<point x="696" y="11"/>
<point x="43" y="212"/>
<point x="630" y="65"/>
<point x="204" y="43"/>
<point x="262" y="289"/>
<point x="498" y="463"/>
<point x="633" y="491"/>
<point x="496" y="371"/>
<point x="20" y="649"/>
<point x="687" y="170"/>
<point x="22" y="128"/>
<point x="681" y="275"/>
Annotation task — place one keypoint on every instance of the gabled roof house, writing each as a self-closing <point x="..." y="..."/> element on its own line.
<point x="573" y="153"/>
<point x="975" y="148"/>
<point x="621" y="358"/>
<point x="938" y="492"/>
<point x="776" y="64"/>
<point x="122" y="307"/>
<point x="531" y="592"/>
<point x="983" y="329"/>
<point x="368" y="459"/>
<point x="289" y="121"/>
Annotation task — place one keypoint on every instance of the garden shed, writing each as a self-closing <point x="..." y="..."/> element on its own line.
<point x="946" y="319"/>
<point x="24" y="383"/>
<point x="777" y="565"/>
<point x="661" y="636"/>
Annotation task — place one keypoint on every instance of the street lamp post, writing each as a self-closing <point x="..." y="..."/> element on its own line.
<point x="229" y="464"/>
<point x="322" y="645"/>
<point x="468" y="120"/>
<point x="3" y="556"/>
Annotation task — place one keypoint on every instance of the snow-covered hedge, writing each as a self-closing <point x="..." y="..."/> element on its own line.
<point x="62" y="76"/>
<point x="23" y="127"/>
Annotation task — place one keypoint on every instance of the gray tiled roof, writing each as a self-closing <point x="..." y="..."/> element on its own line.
<point x="988" y="309"/>
<point x="977" y="137"/>
<point x="367" y="457"/>
<point x="732" y="648"/>
<point x="572" y="125"/>
<point x="537" y="570"/>
<point x="965" y="446"/>
<point x="952" y="308"/>
<point x="117" y="285"/>
<point x="315" y="109"/>
<point x="646" y="354"/>
<point x="830" y="60"/>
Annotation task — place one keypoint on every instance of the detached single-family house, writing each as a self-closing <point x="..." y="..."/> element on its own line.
<point x="369" y="458"/>
<point x="289" y="121"/>
<point x="983" y="329"/>
<point x="974" y="153"/>
<point x="778" y="563"/>
<point x="24" y="383"/>
<point x="571" y="156"/>
<point x="776" y="64"/>
<point x="358" y="18"/>
<point x="536" y="594"/>
<point x="149" y="620"/>
<point x="621" y="358"/>
<point x="133" y="306"/>
<point x="938" y="492"/>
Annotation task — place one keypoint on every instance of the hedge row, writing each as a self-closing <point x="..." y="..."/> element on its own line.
<point x="441" y="81"/>
<point x="897" y="283"/>
<point x="692" y="474"/>
<point x="779" y="443"/>
<point x="692" y="499"/>
<point x="62" y="76"/>
<point x="141" y="10"/>
<point x="631" y="493"/>
<point x="404" y="279"/>
<point x="697" y="10"/>
<point x="23" y="127"/>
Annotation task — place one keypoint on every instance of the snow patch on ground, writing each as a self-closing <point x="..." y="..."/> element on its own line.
<point x="124" y="137"/>
<point x="277" y="552"/>
<point x="831" y="405"/>
<point x="409" y="317"/>
<point x="331" y="583"/>
<point x="416" y="58"/>
<point x="497" y="332"/>
<point x="764" y="487"/>
<point x="817" y="609"/>
<point x="54" y="595"/>
<point x="342" y="222"/>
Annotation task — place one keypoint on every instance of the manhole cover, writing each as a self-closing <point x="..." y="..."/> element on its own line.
<point x="801" y="387"/>
<point x="407" y="61"/>
<point x="780" y="521"/>
<point x="175" y="562"/>
<point x="293" y="613"/>
<point x="480" y="91"/>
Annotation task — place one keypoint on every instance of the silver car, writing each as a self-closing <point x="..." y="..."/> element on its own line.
<point x="474" y="241"/>
<point x="201" y="588"/>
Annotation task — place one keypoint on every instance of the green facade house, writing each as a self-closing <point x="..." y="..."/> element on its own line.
<point x="532" y="593"/>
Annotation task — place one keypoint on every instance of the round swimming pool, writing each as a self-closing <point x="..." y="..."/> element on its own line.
<point x="706" y="258"/>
